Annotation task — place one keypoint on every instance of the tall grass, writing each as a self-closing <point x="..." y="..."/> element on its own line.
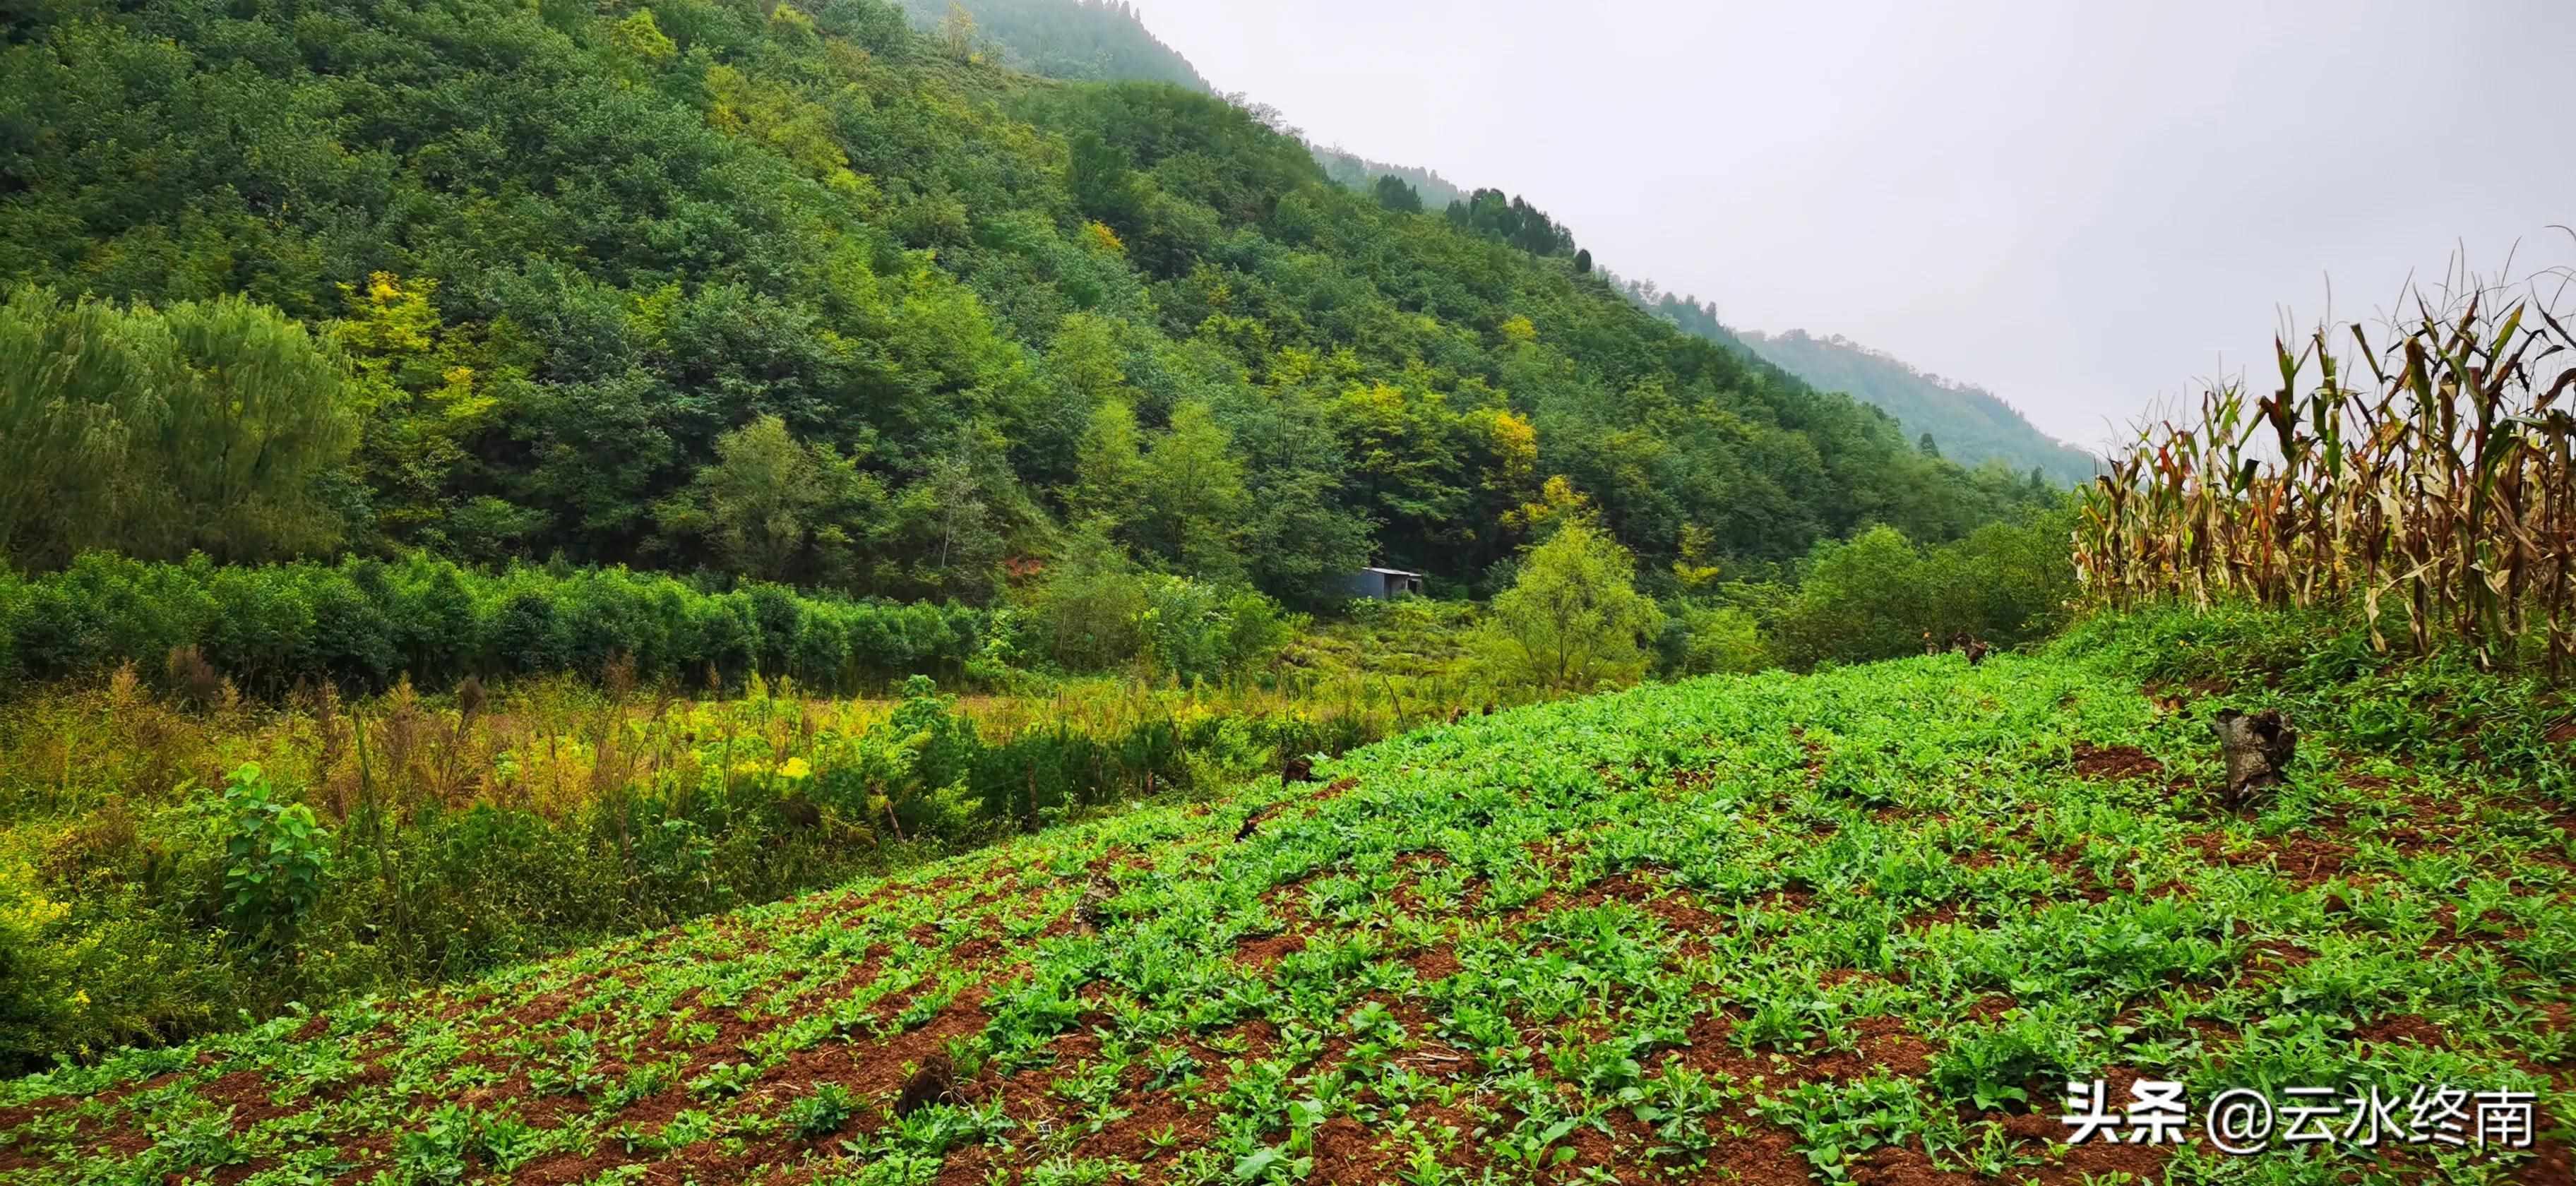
<point x="461" y="829"/>
<point x="2437" y="494"/>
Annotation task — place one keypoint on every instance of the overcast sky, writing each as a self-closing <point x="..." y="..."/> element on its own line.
<point x="2081" y="206"/>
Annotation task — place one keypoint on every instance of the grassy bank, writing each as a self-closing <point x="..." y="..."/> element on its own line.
<point x="169" y="863"/>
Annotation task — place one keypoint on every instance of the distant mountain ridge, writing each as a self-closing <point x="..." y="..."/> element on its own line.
<point x="1967" y="424"/>
<point x="1359" y="172"/>
<point x="1106" y="39"/>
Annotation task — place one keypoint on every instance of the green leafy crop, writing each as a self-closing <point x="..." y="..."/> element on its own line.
<point x="1834" y="928"/>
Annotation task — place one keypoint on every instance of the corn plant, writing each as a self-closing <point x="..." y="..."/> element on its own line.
<point x="2438" y="493"/>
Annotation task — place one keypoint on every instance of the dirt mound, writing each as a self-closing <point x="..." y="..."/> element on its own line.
<point x="2114" y="763"/>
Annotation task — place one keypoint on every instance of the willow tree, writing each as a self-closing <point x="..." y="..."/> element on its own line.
<point x="216" y="426"/>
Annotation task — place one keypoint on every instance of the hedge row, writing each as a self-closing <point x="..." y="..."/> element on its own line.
<point x="365" y="623"/>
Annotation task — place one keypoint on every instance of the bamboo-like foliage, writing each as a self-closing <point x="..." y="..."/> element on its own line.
<point x="2438" y="495"/>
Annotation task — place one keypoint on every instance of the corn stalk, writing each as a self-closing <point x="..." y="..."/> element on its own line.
<point x="2439" y="495"/>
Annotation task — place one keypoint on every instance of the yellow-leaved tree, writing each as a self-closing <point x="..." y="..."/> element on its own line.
<point x="1573" y="619"/>
<point x="414" y="383"/>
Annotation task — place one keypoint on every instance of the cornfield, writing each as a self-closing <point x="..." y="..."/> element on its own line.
<point x="2439" y="494"/>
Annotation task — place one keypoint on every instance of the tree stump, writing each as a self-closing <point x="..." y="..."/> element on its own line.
<point x="934" y="1083"/>
<point x="2257" y="747"/>
<point x="1094" y="907"/>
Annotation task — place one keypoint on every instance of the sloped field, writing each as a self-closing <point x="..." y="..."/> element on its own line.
<point x="1856" y="926"/>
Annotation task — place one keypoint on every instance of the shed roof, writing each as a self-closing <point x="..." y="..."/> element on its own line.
<point x="1391" y="572"/>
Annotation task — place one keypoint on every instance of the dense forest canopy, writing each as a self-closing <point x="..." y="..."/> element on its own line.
<point x="810" y="295"/>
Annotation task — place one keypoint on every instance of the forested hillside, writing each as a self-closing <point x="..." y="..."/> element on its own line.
<point x="1955" y="420"/>
<point x="1095" y="40"/>
<point x="1966" y="422"/>
<point x="813" y="297"/>
<point x="1359" y="172"/>
<point x="1057" y="38"/>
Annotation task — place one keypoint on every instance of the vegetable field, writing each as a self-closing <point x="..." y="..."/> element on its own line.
<point x="1858" y="926"/>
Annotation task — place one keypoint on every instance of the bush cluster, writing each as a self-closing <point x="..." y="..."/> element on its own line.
<point x="2441" y="712"/>
<point x="1877" y="596"/>
<point x="1095" y="614"/>
<point x="363" y="624"/>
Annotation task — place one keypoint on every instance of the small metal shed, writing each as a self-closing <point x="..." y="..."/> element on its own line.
<point x="1384" y="583"/>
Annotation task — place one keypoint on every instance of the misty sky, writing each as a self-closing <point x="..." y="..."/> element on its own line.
<point x="2080" y="206"/>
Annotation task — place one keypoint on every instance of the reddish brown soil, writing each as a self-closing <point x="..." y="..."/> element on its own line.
<point x="1267" y="950"/>
<point x="2303" y="861"/>
<point x="2401" y="1028"/>
<point x="1439" y="963"/>
<point x="2115" y="763"/>
<point x="1346" y="1155"/>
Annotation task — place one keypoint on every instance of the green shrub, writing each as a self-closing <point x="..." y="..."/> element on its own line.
<point x="1191" y="630"/>
<point x="1097" y="611"/>
<point x="213" y="425"/>
<point x="1876" y="595"/>
<point x="2318" y="666"/>
<point x="1573" y="618"/>
<point x="42" y="999"/>
<point x="1705" y="639"/>
<point x="364" y="624"/>
<point x="13" y="606"/>
<point x="822" y="1112"/>
<point x="276" y="855"/>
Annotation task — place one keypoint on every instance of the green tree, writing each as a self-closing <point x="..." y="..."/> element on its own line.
<point x="1110" y="468"/>
<point x="1395" y="195"/>
<point x="955" y="523"/>
<point x="1874" y="596"/>
<point x="1711" y="639"/>
<point x="1301" y="540"/>
<point x="957" y="33"/>
<point x="1573" y="618"/>
<point x="1193" y="502"/>
<point x="216" y="426"/>
<point x="1866" y="599"/>
<point x="776" y="508"/>
<point x="1047" y="417"/>
<point x="421" y="397"/>
<point x="639" y="37"/>
<point x="1089" y="605"/>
